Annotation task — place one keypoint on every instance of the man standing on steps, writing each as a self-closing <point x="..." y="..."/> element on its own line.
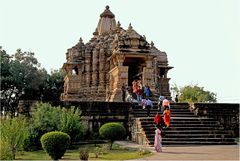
<point x="148" y="105"/>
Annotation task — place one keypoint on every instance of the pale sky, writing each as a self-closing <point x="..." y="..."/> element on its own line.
<point x="201" y="37"/>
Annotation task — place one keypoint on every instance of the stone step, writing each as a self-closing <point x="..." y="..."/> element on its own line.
<point x="172" y="112"/>
<point x="146" y="125"/>
<point x="189" y="132"/>
<point x="191" y="143"/>
<point x="196" y="139"/>
<point x="169" y="135"/>
<point x="196" y="130"/>
<point x="185" y="128"/>
<point x="142" y="114"/>
<point x="156" y="107"/>
<point x="156" y="110"/>
<point x="184" y="122"/>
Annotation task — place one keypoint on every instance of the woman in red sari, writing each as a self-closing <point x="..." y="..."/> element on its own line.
<point x="167" y="117"/>
<point x="157" y="119"/>
<point x="134" y="86"/>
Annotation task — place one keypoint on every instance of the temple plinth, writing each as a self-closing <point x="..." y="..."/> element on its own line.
<point x="114" y="56"/>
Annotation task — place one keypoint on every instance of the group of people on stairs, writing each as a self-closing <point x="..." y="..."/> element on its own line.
<point x="146" y="103"/>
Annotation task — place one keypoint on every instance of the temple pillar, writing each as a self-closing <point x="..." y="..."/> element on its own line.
<point x="108" y="91"/>
<point x="148" y="74"/>
<point x="118" y="77"/>
<point x="87" y="88"/>
<point x="94" y="71"/>
<point x="102" y="73"/>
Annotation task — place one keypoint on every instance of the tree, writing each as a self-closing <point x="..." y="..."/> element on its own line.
<point x="53" y="86"/>
<point x="194" y="93"/>
<point x="7" y="88"/>
<point x="112" y="131"/>
<point x="21" y="78"/>
<point x="13" y="133"/>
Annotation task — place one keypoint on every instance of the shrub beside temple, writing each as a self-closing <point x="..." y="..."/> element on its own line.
<point x="112" y="131"/>
<point x="55" y="143"/>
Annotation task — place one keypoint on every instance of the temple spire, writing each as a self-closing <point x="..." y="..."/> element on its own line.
<point x="106" y="22"/>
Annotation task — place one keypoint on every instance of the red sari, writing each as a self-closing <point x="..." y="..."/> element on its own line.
<point x="166" y="117"/>
<point x="157" y="119"/>
<point x="134" y="83"/>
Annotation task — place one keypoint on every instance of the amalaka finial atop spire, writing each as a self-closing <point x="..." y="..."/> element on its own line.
<point x="107" y="13"/>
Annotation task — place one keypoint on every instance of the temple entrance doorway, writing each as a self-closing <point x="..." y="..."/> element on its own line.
<point x="135" y="68"/>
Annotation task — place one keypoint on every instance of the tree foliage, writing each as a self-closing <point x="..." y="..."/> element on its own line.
<point x="194" y="93"/>
<point x="13" y="133"/>
<point x="53" y="86"/>
<point x="23" y="78"/>
<point x="112" y="131"/>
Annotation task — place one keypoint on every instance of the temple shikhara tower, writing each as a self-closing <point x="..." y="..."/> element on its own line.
<point x="114" y="56"/>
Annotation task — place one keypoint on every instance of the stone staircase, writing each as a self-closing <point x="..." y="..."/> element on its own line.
<point x="185" y="128"/>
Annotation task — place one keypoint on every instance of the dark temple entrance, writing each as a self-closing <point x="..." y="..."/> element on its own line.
<point x="135" y="68"/>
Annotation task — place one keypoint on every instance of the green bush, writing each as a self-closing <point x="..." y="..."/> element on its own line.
<point x="5" y="151"/>
<point x="55" y="143"/>
<point x="112" y="131"/>
<point x="13" y="133"/>
<point x="49" y="118"/>
<point x="70" y="123"/>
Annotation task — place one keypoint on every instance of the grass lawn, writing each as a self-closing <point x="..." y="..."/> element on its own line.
<point x="118" y="153"/>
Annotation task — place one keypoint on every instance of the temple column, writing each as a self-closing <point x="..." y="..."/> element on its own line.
<point x="80" y="75"/>
<point x="148" y="77"/>
<point x="94" y="71"/>
<point x="118" y="76"/>
<point x="88" y="73"/>
<point x="108" y="94"/>
<point x="102" y="73"/>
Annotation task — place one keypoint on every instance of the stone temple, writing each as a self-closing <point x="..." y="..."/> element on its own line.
<point x="96" y="70"/>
